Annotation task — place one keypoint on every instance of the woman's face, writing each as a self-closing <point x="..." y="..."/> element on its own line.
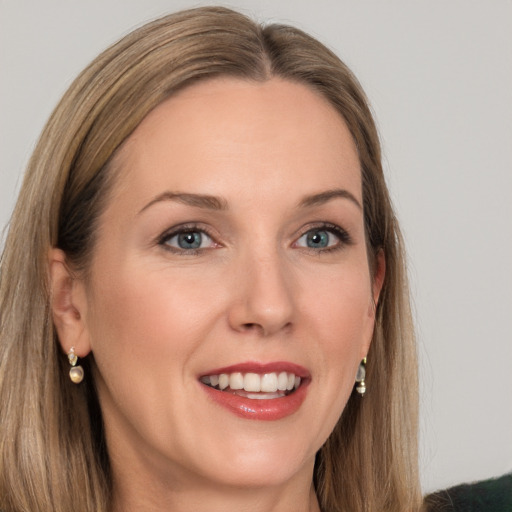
<point x="231" y="254"/>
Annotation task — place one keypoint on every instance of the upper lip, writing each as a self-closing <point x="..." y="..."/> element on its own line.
<point x="261" y="368"/>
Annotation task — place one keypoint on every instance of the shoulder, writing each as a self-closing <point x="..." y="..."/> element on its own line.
<point x="493" y="495"/>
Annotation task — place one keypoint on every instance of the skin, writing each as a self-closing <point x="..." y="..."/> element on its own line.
<point x="156" y="315"/>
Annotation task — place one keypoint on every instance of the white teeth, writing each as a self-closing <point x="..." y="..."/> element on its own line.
<point x="282" y="381"/>
<point x="223" y="380"/>
<point x="264" y="396"/>
<point x="236" y="381"/>
<point x="254" y="383"/>
<point x="269" y="383"/>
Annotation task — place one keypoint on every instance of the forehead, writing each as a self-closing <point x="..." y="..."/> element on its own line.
<point x="250" y="136"/>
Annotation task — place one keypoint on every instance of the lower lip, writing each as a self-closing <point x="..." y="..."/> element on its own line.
<point x="264" y="410"/>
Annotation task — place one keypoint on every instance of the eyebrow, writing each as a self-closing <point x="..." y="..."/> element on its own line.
<point x="219" y="204"/>
<point x="197" y="200"/>
<point x="328" y="195"/>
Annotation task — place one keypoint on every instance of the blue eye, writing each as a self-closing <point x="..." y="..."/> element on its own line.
<point x="187" y="240"/>
<point x="324" y="238"/>
<point x="318" y="239"/>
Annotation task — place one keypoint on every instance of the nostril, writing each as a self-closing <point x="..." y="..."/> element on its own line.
<point x="258" y="328"/>
<point x="255" y="328"/>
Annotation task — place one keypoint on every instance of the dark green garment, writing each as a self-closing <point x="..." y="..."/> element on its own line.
<point x="493" y="495"/>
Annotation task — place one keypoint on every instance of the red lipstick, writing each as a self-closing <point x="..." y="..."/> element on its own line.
<point x="270" y="409"/>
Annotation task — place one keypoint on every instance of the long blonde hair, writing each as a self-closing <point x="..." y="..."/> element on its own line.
<point x="52" y="450"/>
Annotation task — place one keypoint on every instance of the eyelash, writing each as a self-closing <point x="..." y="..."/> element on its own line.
<point x="344" y="239"/>
<point x="164" y="239"/>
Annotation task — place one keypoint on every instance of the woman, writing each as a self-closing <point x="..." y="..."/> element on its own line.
<point x="209" y="309"/>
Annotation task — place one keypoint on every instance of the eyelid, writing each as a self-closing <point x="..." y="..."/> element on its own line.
<point x="189" y="227"/>
<point x="342" y="234"/>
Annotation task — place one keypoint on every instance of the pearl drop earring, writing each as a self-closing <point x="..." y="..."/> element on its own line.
<point x="76" y="372"/>
<point x="361" y="374"/>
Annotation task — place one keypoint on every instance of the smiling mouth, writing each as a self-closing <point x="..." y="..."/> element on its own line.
<point x="254" y="386"/>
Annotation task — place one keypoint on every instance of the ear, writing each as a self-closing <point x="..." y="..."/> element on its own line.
<point x="378" y="276"/>
<point x="379" y="272"/>
<point x="69" y="305"/>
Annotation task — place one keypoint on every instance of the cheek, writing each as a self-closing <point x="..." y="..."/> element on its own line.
<point x="342" y="311"/>
<point x="342" y="323"/>
<point x="146" y="325"/>
<point x="140" y="318"/>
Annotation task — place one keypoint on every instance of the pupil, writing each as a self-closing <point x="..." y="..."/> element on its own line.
<point x="318" y="239"/>
<point x="189" y="240"/>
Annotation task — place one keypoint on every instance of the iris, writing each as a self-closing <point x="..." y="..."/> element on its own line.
<point x="317" y="239"/>
<point x="191" y="240"/>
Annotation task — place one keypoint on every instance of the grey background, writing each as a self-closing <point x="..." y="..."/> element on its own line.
<point x="439" y="75"/>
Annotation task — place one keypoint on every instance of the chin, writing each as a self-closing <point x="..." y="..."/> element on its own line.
<point x="263" y="461"/>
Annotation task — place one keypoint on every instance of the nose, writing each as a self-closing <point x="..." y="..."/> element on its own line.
<point x="263" y="299"/>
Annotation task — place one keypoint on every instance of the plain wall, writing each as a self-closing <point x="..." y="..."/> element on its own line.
<point x="439" y="76"/>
